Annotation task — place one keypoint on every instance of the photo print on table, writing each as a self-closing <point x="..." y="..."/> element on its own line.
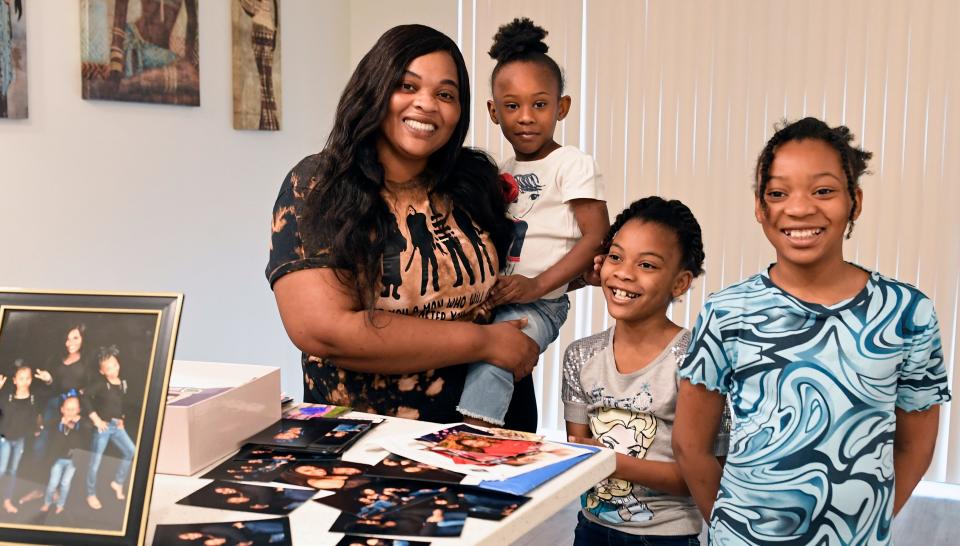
<point x="479" y="454"/>
<point x="381" y="496"/>
<point x="262" y="532"/>
<point x="306" y="411"/>
<point x="432" y="517"/>
<point x="327" y="436"/>
<point x="260" y="451"/>
<point x="249" y="470"/>
<point x="356" y="540"/>
<point x="395" y="466"/>
<point x="329" y="475"/>
<point x="243" y="497"/>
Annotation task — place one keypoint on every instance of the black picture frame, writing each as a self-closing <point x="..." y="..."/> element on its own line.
<point x="36" y="329"/>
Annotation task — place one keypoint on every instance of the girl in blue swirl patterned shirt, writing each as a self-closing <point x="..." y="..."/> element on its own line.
<point x="835" y="373"/>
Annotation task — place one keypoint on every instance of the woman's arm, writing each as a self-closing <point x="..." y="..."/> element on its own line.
<point x="699" y="412"/>
<point x="593" y="220"/>
<point x="324" y="319"/>
<point x="913" y="445"/>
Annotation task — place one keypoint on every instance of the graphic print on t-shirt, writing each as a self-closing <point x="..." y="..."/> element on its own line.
<point x="394" y="244"/>
<point x="472" y="233"/>
<point x="449" y="286"/>
<point x="625" y="431"/>
<point x="448" y="239"/>
<point x="530" y="190"/>
<point x="422" y="240"/>
<point x="516" y="245"/>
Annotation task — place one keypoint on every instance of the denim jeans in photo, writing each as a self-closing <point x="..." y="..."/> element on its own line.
<point x="589" y="533"/>
<point x="61" y="473"/>
<point x="488" y="389"/>
<point x="11" y="450"/>
<point x="119" y="438"/>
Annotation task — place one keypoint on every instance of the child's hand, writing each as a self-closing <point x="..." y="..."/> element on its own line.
<point x="592" y="277"/>
<point x="515" y="289"/>
<point x="43" y="375"/>
<point x="120" y="424"/>
<point x="584" y="441"/>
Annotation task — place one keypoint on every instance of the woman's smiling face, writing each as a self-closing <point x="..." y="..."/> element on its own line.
<point x="422" y="115"/>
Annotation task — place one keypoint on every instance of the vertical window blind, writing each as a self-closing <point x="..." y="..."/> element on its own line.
<point x="678" y="98"/>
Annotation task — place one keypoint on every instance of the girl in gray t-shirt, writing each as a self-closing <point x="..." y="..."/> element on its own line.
<point x="620" y="386"/>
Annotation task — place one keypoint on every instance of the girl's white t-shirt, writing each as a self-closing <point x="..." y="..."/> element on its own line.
<point x="545" y="228"/>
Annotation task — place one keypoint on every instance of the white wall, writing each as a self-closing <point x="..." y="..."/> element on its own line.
<point x="125" y="196"/>
<point x="371" y="18"/>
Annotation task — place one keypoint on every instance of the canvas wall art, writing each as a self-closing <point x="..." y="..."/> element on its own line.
<point x="13" y="60"/>
<point x="140" y="51"/>
<point x="256" y="64"/>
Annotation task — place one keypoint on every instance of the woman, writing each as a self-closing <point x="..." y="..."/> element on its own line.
<point x="380" y="330"/>
<point x="66" y="374"/>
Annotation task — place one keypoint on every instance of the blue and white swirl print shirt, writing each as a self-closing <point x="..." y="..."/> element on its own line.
<point x="813" y="390"/>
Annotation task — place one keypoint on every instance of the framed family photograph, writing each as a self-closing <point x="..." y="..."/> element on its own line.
<point x="83" y="385"/>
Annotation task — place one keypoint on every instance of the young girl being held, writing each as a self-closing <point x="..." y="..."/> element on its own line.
<point x="835" y="373"/>
<point x="620" y="386"/>
<point x="558" y="208"/>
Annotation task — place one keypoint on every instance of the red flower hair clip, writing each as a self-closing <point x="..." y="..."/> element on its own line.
<point x="509" y="187"/>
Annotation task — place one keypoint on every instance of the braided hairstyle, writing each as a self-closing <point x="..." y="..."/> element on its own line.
<point x="853" y="160"/>
<point x="522" y="40"/>
<point x="672" y="214"/>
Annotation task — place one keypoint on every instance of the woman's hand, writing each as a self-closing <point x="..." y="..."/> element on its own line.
<point x="3" y="380"/>
<point x="98" y="422"/>
<point x="43" y="375"/>
<point x="511" y="349"/>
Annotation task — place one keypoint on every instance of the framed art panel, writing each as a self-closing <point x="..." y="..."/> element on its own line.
<point x="13" y="60"/>
<point x="256" y="64"/>
<point x="83" y="381"/>
<point x="143" y="51"/>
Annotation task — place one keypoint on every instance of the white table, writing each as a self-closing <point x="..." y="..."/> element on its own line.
<point x="310" y="523"/>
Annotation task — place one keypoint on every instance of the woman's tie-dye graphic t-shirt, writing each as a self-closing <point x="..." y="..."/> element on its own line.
<point x="813" y="390"/>
<point x="437" y="264"/>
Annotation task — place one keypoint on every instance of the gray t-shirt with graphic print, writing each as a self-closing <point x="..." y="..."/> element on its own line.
<point x="631" y="413"/>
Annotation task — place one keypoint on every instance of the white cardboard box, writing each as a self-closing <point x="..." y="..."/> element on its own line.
<point x="198" y="434"/>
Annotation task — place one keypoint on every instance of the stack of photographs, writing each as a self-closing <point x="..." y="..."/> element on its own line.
<point x="480" y="453"/>
<point x="416" y="508"/>
<point x="330" y="437"/>
<point x="263" y="532"/>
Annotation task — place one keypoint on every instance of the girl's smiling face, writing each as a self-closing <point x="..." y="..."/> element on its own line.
<point x="641" y="273"/>
<point x="806" y="206"/>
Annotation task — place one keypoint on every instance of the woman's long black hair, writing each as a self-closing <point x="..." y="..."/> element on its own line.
<point x="344" y="214"/>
